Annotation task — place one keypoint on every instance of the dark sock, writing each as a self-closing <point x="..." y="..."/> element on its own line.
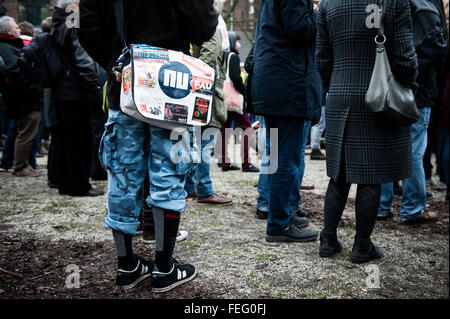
<point x="367" y="204"/>
<point x="335" y="200"/>
<point x="148" y="224"/>
<point x="166" y="227"/>
<point x="124" y="245"/>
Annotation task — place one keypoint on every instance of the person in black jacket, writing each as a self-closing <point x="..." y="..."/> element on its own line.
<point x="286" y="88"/>
<point x="131" y="149"/>
<point x="240" y="120"/>
<point x="414" y="193"/>
<point x="73" y="98"/>
<point x="22" y="100"/>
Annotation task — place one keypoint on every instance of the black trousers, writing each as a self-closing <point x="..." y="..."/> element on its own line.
<point x="55" y="160"/>
<point x="74" y="146"/>
<point x="435" y="143"/>
<point x="98" y="119"/>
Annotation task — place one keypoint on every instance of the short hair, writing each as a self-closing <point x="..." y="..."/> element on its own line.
<point x="5" y="23"/>
<point x="47" y="24"/>
<point x="26" y="28"/>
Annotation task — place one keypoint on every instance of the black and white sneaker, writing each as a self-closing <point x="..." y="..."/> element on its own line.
<point x="129" y="279"/>
<point x="180" y="274"/>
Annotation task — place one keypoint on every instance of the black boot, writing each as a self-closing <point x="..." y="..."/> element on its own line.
<point x="364" y="250"/>
<point x="329" y="244"/>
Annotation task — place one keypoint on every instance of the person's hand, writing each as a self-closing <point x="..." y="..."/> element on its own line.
<point x="316" y="5"/>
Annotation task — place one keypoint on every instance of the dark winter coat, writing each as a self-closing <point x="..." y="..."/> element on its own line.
<point x="285" y="80"/>
<point x="235" y="65"/>
<point x="19" y="96"/>
<point x="80" y="82"/>
<point x="373" y="151"/>
<point x="432" y="77"/>
<point x="168" y="24"/>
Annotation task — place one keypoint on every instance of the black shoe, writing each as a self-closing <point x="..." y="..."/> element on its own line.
<point x="251" y="169"/>
<point x="90" y="193"/>
<point x="301" y="222"/>
<point x="384" y="215"/>
<point x="129" y="279"/>
<point x="299" y="213"/>
<point x="94" y="192"/>
<point x="180" y="274"/>
<point x="230" y="168"/>
<point x="429" y="194"/>
<point x="292" y="233"/>
<point x="261" y="214"/>
<point x="53" y="185"/>
<point x="364" y="250"/>
<point x="329" y="244"/>
<point x="99" y="177"/>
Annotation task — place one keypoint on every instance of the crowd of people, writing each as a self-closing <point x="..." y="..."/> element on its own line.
<point x="306" y="75"/>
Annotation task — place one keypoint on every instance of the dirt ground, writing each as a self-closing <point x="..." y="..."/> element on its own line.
<point x="45" y="236"/>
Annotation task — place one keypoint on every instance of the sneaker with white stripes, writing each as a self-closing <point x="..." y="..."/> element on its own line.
<point x="180" y="274"/>
<point x="129" y="279"/>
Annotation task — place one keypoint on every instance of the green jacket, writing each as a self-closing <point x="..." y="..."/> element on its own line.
<point x="212" y="54"/>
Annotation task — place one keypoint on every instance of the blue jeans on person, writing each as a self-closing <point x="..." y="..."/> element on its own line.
<point x="445" y="161"/>
<point x="129" y="150"/>
<point x="317" y="131"/>
<point x="199" y="179"/>
<point x="284" y="182"/>
<point x="414" y="195"/>
<point x="296" y="197"/>
<point x="263" y="183"/>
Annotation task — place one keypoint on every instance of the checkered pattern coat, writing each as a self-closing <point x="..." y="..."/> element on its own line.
<point x="371" y="151"/>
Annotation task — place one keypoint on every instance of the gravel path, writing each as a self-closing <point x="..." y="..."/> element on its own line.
<point x="41" y="232"/>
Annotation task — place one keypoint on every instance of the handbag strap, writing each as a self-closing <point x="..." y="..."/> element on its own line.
<point x="228" y="66"/>
<point x="382" y="14"/>
<point x="120" y="22"/>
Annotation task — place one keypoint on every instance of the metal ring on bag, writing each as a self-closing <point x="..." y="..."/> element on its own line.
<point x="380" y="35"/>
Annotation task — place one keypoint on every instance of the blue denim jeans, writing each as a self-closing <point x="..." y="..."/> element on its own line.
<point x="129" y="150"/>
<point x="199" y="179"/>
<point x="284" y="183"/>
<point x="296" y="196"/>
<point x="317" y="131"/>
<point x="263" y="183"/>
<point x="414" y="195"/>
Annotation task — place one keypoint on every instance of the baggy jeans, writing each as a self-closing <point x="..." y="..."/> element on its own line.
<point x="129" y="150"/>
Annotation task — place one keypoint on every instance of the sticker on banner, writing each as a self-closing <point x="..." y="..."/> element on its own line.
<point x="175" y="80"/>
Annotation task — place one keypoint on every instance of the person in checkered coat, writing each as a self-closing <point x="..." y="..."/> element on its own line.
<point x="361" y="149"/>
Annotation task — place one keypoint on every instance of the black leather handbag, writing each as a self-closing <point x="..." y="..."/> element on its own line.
<point x="388" y="99"/>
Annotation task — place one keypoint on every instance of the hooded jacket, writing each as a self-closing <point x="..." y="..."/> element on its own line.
<point x="285" y="81"/>
<point x="19" y="96"/>
<point x="167" y="24"/>
<point x="80" y="82"/>
<point x="211" y="52"/>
